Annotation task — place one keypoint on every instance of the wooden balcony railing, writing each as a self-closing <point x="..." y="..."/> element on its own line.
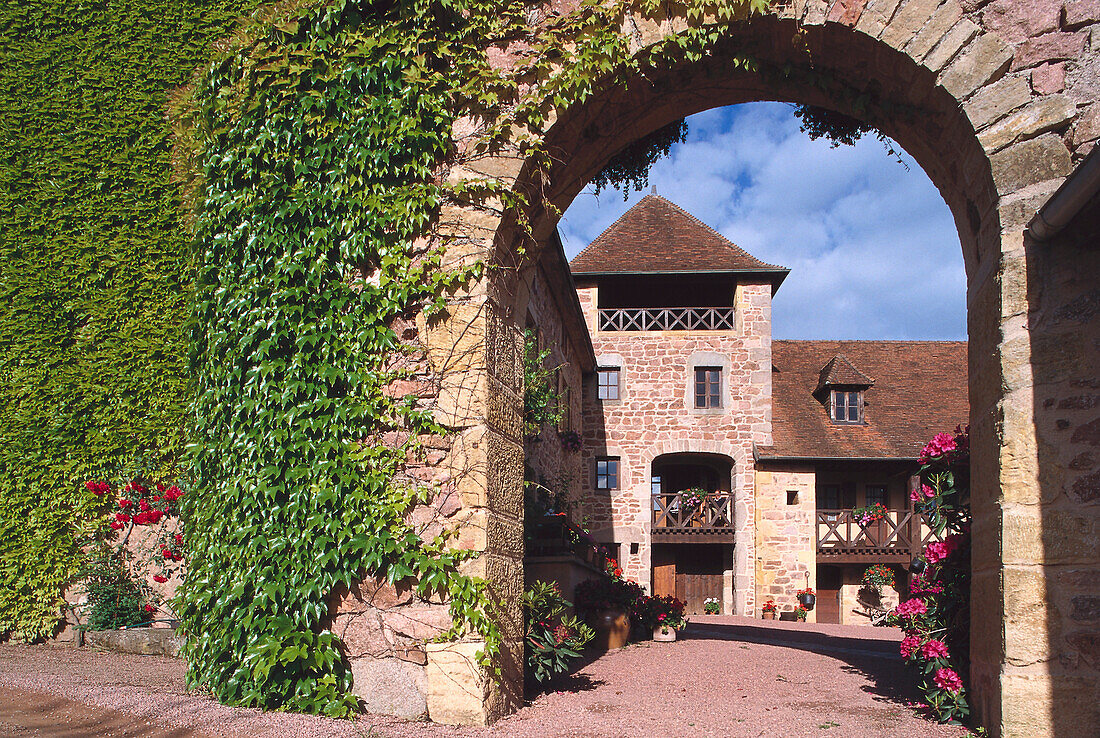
<point x="674" y="521"/>
<point x="897" y="537"/>
<point x="667" y="319"/>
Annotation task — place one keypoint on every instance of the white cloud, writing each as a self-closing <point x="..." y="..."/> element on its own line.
<point x="872" y="247"/>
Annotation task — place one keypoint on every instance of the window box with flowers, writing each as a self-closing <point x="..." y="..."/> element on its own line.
<point x="872" y="520"/>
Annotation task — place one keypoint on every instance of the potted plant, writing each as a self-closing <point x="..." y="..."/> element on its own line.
<point x="607" y="603"/>
<point x="768" y="610"/>
<point x="871" y="518"/>
<point x="800" y="614"/>
<point x="807" y="598"/>
<point x="878" y="576"/>
<point x="711" y="606"/>
<point x="669" y="618"/>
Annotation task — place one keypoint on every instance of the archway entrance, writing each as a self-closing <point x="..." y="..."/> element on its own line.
<point x="938" y="98"/>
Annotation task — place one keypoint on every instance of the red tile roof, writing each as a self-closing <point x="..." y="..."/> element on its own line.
<point x="656" y="236"/>
<point x="840" y="371"/>
<point x="920" y="390"/>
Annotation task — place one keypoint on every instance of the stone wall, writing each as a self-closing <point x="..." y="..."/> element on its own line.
<point x="653" y="417"/>
<point x="786" y="542"/>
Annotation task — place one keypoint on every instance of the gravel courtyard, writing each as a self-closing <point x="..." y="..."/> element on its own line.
<point x="727" y="676"/>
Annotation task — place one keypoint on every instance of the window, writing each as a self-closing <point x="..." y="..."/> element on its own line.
<point x="708" y="386"/>
<point x="876" y="493"/>
<point x="847" y="406"/>
<point x="607" y="472"/>
<point x="828" y="498"/>
<point x="607" y="383"/>
<point x="792" y="497"/>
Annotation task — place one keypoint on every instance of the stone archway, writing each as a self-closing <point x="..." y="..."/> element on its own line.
<point x="977" y="100"/>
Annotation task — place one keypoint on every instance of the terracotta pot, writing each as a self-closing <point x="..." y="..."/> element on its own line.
<point x="769" y="615"/>
<point x="664" y="637"/>
<point x="612" y="629"/>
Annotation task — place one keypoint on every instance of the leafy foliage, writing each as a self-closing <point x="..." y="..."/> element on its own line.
<point x="840" y="129"/>
<point x="115" y="599"/>
<point x="630" y="167"/>
<point x="94" y="271"/>
<point x="552" y="638"/>
<point x="541" y="404"/>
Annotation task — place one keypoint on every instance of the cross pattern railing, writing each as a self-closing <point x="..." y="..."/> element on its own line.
<point x="838" y="531"/>
<point x="672" y="512"/>
<point x="667" y="319"/>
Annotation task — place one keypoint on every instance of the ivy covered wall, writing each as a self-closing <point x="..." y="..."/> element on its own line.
<point x="95" y="269"/>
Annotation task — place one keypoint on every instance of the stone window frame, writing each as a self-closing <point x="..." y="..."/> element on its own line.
<point x="606" y="362"/>
<point x="705" y="360"/>
<point x="618" y="474"/>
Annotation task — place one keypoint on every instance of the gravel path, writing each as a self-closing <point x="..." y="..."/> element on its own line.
<point x="725" y="677"/>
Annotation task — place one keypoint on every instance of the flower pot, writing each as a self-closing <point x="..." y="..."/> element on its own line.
<point x="612" y="629"/>
<point x="664" y="634"/>
<point x="807" y="601"/>
<point x="769" y="615"/>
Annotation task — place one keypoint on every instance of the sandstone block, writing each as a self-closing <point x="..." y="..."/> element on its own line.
<point x="456" y="686"/>
<point x="942" y="21"/>
<point x="909" y="19"/>
<point x="1038" y="159"/>
<point x="1016" y="21"/>
<point x="1047" y="48"/>
<point x="846" y="12"/>
<point x="1081" y="12"/>
<point x="1045" y="114"/>
<point x="1047" y="79"/>
<point x="950" y="45"/>
<point x="876" y="14"/>
<point x="981" y="62"/>
<point x="1088" y="126"/>
<point x="995" y="101"/>
<point x="390" y="687"/>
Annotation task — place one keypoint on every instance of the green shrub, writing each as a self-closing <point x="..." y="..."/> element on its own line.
<point x="115" y="599"/>
<point x="552" y="639"/>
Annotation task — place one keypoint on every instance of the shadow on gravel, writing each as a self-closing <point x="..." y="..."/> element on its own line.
<point x="573" y="682"/>
<point x="877" y="660"/>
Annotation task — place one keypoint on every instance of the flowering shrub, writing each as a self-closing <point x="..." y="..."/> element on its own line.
<point x="692" y="497"/>
<point x="879" y="576"/>
<point x="936" y="616"/>
<point x="869" y="514"/>
<point x="800" y="613"/>
<point x="711" y="606"/>
<point x="570" y="441"/>
<point x="117" y="578"/>
<point x="663" y="612"/>
<point x="552" y="639"/>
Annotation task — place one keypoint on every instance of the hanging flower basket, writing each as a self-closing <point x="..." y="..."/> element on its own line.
<point x="806" y="598"/>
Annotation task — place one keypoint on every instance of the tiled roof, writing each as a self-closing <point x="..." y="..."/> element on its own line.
<point x="920" y="390"/>
<point x="839" y="371"/>
<point x="657" y="236"/>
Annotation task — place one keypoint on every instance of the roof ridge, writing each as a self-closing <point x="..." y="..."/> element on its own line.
<point x="715" y="231"/>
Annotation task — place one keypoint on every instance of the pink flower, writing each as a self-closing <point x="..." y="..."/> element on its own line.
<point x="941" y="445"/>
<point x="910" y="608"/>
<point x="937" y="551"/>
<point x="934" y="649"/>
<point x="928" y="491"/>
<point x="946" y="679"/>
<point x="908" y="644"/>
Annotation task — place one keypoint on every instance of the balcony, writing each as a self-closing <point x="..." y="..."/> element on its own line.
<point x="677" y="521"/>
<point x="897" y="538"/>
<point x="667" y="319"/>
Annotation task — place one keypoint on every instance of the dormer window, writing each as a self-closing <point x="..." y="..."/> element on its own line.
<point x="846" y="406"/>
<point x="840" y="388"/>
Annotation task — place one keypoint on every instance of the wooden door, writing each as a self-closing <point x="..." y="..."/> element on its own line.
<point x="828" y="594"/>
<point x="664" y="571"/>
<point x="695" y="589"/>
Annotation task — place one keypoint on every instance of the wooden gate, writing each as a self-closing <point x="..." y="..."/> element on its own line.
<point x="695" y="589"/>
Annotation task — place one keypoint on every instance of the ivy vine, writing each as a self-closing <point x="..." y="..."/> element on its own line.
<point x="320" y="142"/>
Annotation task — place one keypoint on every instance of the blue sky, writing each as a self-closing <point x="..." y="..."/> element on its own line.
<point x="872" y="247"/>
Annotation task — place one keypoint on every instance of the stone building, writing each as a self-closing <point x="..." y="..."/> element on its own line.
<point x="718" y="463"/>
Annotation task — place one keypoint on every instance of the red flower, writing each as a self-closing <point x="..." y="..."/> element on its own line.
<point x="116" y="525"/>
<point x="159" y="578"/>
<point x="155" y="516"/>
<point x="141" y="518"/>
<point x="166" y="553"/>
<point x="179" y="539"/>
<point x="150" y="609"/>
<point x="948" y="680"/>
<point x="122" y="517"/>
<point x="123" y="502"/>
<point x="160" y="487"/>
<point x="144" y="505"/>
